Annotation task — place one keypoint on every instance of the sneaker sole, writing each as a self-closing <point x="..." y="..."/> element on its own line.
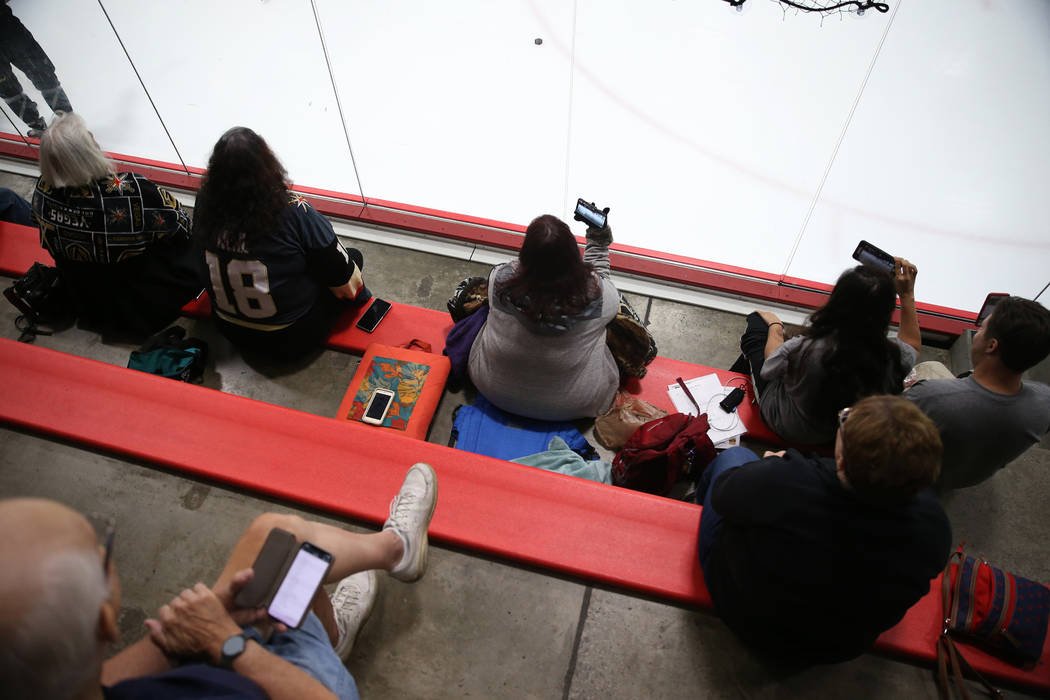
<point x="421" y="556"/>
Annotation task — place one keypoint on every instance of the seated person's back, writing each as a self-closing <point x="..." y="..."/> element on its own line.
<point x="121" y="244"/>
<point x="843" y="354"/>
<point x="274" y="266"/>
<point x="989" y="418"/>
<point x="542" y="351"/>
<point x="816" y="557"/>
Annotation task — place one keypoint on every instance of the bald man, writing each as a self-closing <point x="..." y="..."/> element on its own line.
<point x="60" y="598"/>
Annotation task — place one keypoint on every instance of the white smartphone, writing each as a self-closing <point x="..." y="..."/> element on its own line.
<point x="292" y="600"/>
<point x="377" y="406"/>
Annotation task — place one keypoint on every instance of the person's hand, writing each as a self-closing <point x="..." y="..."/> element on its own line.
<point x="904" y="277"/>
<point x="226" y="591"/>
<point x="600" y="236"/>
<point x="769" y="317"/>
<point x="770" y="453"/>
<point x="194" y="624"/>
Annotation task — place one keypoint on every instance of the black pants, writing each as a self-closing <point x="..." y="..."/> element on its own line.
<point x="753" y="345"/>
<point x="19" y="48"/>
<point x="305" y="335"/>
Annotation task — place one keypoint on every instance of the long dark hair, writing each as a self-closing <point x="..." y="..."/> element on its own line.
<point x="552" y="280"/>
<point x="243" y="193"/>
<point x="854" y="322"/>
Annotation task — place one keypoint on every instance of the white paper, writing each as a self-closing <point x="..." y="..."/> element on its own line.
<point x="708" y="391"/>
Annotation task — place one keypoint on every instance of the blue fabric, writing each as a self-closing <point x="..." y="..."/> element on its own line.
<point x="461" y="338"/>
<point x="711" y="521"/>
<point x="486" y="430"/>
<point x="559" y="458"/>
<point x="309" y="648"/>
<point x="15" y="209"/>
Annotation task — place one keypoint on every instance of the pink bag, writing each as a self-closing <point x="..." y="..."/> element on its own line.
<point x="615" y="427"/>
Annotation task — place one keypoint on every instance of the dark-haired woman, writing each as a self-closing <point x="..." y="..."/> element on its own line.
<point x="276" y="271"/>
<point x="542" y="352"/>
<point x="842" y="356"/>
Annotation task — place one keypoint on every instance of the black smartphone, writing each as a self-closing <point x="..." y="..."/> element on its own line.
<point x="867" y="254"/>
<point x="305" y="575"/>
<point x="588" y="213"/>
<point x="732" y="399"/>
<point x="989" y="303"/>
<point x="374" y="315"/>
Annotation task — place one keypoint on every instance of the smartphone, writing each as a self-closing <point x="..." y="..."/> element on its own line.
<point x="989" y="303"/>
<point x="590" y="214"/>
<point x="869" y="255"/>
<point x="732" y="400"/>
<point x="292" y="600"/>
<point x="371" y="318"/>
<point x="377" y="406"/>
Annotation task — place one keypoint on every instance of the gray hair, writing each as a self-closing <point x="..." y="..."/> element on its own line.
<point x="54" y="650"/>
<point x="69" y="155"/>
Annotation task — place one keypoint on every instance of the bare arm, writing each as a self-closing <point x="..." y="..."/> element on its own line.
<point x="349" y="290"/>
<point x="904" y="279"/>
<point x="196" y="624"/>
<point x="775" y="338"/>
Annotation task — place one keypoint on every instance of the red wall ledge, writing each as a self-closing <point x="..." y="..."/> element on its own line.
<point x="690" y="272"/>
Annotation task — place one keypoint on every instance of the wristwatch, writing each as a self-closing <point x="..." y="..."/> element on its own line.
<point x="232" y="648"/>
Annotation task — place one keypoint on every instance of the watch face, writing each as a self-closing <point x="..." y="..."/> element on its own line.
<point x="232" y="648"/>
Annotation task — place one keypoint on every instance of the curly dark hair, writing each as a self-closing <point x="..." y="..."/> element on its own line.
<point x="861" y="360"/>
<point x="243" y="193"/>
<point x="552" y="280"/>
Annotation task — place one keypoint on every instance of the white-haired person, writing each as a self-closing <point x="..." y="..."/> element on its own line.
<point x="122" y="244"/>
<point x="60" y="597"/>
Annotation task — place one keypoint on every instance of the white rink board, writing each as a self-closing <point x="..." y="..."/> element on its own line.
<point x="213" y="65"/>
<point x="947" y="160"/>
<point x="452" y="105"/>
<point x="712" y="134"/>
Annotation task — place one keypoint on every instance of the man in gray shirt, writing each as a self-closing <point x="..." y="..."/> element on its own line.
<point x="987" y="419"/>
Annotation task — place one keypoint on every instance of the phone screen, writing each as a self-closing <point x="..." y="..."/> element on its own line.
<point x="300" y="584"/>
<point x="596" y="219"/>
<point x="377" y="405"/>
<point x="867" y="254"/>
<point x="374" y="315"/>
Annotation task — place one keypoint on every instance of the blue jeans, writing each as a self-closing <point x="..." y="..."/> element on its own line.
<point x="15" y="209"/>
<point x="711" y="521"/>
<point x="309" y="649"/>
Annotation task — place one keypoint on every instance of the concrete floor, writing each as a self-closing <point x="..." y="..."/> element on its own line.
<point x="474" y="626"/>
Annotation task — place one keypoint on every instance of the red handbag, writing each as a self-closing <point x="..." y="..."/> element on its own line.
<point x="992" y="608"/>
<point x="662" y="450"/>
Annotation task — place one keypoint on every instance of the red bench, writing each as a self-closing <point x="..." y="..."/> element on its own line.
<point x="597" y="532"/>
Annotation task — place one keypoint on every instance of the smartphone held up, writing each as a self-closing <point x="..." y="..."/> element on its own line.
<point x="590" y="214"/>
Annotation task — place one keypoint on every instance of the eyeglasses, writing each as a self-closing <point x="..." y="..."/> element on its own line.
<point x="106" y="530"/>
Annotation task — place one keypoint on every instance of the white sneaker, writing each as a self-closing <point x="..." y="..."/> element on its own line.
<point x="352" y="603"/>
<point x="410" y="514"/>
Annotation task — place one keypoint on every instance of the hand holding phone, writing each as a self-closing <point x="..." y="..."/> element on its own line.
<point x="590" y="214"/>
